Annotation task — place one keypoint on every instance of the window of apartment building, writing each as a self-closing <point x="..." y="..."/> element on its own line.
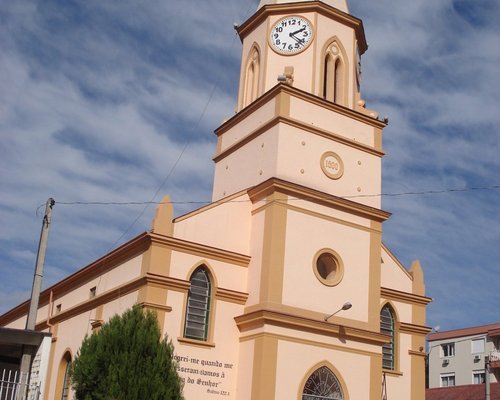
<point x="478" y="377"/>
<point x="448" y="350"/>
<point x="477" y="346"/>
<point x="448" y="379"/>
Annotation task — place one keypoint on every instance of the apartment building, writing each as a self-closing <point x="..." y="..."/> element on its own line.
<point x="463" y="356"/>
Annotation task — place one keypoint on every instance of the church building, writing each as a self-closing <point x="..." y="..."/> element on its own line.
<point x="280" y="288"/>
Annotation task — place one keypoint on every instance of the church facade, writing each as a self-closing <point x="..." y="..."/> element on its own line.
<point x="281" y="288"/>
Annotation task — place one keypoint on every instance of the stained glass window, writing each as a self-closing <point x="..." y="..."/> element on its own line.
<point x="322" y="385"/>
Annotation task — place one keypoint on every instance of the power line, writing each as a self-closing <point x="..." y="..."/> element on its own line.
<point x="412" y="193"/>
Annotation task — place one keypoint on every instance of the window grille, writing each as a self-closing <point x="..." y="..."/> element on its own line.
<point x="198" y="306"/>
<point x="387" y="328"/>
<point x="322" y="385"/>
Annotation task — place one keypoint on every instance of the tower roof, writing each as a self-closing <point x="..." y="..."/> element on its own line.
<point x="338" y="4"/>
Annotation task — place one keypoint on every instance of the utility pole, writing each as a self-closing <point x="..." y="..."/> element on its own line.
<point x="487" y="377"/>
<point x="35" y="298"/>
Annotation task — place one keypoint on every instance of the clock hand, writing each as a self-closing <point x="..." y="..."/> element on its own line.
<point x="299" y="41"/>
<point x="300" y="30"/>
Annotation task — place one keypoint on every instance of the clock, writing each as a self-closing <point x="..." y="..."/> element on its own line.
<point x="291" y="35"/>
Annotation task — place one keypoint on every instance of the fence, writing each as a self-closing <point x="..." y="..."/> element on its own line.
<point x="13" y="386"/>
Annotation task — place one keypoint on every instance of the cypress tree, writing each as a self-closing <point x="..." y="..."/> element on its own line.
<point x="126" y="360"/>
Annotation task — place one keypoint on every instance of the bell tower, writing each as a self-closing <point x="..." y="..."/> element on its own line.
<point x="300" y="116"/>
<point x="308" y="154"/>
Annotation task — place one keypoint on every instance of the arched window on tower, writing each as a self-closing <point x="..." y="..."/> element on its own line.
<point x="334" y="77"/>
<point x="387" y="327"/>
<point x="322" y="385"/>
<point x="198" y="305"/>
<point x="252" y="76"/>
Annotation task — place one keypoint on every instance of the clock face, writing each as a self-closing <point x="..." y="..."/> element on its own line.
<point x="291" y="35"/>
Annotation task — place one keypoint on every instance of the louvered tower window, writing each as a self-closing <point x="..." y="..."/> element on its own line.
<point x="198" y="306"/>
<point x="387" y="328"/>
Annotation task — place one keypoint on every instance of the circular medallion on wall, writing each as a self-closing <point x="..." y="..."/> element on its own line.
<point x="332" y="165"/>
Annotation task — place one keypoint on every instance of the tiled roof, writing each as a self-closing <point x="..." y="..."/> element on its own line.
<point x="463" y="392"/>
<point x="475" y="330"/>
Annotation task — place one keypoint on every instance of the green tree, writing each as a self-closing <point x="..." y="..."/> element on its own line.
<point x="126" y="360"/>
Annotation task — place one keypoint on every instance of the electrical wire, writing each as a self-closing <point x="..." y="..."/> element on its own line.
<point x="412" y="193"/>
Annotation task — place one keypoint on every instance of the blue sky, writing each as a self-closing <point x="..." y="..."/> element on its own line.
<point x="117" y="102"/>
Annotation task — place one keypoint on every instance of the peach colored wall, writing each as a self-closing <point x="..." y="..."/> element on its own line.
<point x="299" y="161"/>
<point x="247" y="125"/>
<point x="306" y="236"/>
<point x="245" y="368"/>
<point x="222" y="374"/>
<point x="296" y="359"/>
<point x="226" y="275"/>
<point x="254" y="163"/>
<point x="330" y="213"/>
<point x="394" y="275"/>
<point x="226" y="226"/>
<point x="403" y="310"/>
<point x="109" y="280"/>
<point x="174" y="320"/>
<point x="119" y="305"/>
<point x="256" y="247"/>
<point x="400" y="386"/>
<point x="341" y="125"/>
<point x="321" y="340"/>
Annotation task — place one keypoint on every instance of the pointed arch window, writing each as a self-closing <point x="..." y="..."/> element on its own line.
<point x="252" y="77"/>
<point x="387" y="327"/>
<point x="63" y="383"/>
<point x="66" y="383"/>
<point x="198" y="305"/>
<point x="322" y="385"/>
<point x="334" y="78"/>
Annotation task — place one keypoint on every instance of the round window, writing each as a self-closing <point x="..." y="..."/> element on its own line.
<point x="328" y="267"/>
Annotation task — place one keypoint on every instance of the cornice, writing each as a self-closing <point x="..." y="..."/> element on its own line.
<point x="414" y="329"/>
<point x="231" y="296"/>
<point x="282" y="88"/>
<point x="179" y="285"/>
<point x="422" y="354"/>
<point x="303" y="7"/>
<point x="271" y="185"/>
<point x="92" y="303"/>
<point x="404" y="297"/>
<point x="149" y="279"/>
<point x="201" y="249"/>
<point x="125" y="252"/>
<point x="300" y="125"/>
<point x="260" y="318"/>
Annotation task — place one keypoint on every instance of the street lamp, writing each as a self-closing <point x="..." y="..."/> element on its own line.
<point x="346" y="306"/>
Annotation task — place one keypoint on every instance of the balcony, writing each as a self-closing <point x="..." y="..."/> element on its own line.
<point x="495" y="359"/>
